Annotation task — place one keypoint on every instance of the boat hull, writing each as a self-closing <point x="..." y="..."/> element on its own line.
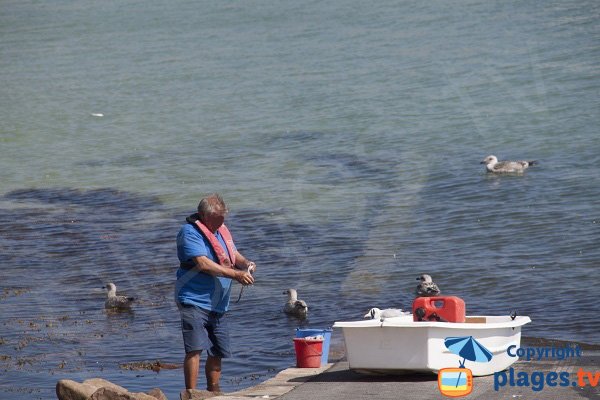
<point x="399" y="345"/>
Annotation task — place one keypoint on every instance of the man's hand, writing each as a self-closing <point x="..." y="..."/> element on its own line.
<point x="244" y="277"/>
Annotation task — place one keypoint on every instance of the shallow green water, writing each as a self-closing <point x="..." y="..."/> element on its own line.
<point x="346" y="138"/>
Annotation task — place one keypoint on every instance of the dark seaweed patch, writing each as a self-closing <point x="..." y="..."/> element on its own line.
<point x="102" y="231"/>
<point x="108" y="199"/>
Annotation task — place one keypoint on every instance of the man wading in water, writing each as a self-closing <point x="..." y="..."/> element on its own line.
<point x="209" y="262"/>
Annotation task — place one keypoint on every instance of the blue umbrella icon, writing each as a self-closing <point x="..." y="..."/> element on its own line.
<point x="469" y="349"/>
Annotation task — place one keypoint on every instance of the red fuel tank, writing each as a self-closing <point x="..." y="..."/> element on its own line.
<point x="441" y="308"/>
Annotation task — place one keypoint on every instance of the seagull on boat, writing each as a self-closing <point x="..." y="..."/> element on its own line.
<point x="293" y="306"/>
<point x="376" y="313"/>
<point x="493" y="165"/>
<point x="427" y="288"/>
<point x="116" y="302"/>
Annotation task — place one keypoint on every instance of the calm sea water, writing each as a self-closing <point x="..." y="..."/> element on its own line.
<point x="346" y="138"/>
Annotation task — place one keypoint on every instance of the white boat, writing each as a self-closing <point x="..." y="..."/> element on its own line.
<point x="398" y="345"/>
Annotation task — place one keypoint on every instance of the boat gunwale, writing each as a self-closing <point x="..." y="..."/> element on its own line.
<point x="403" y="322"/>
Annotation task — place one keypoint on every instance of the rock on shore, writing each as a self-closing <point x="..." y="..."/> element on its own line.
<point x="101" y="389"/>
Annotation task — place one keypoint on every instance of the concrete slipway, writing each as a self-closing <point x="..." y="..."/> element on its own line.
<point x="336" y="382"/>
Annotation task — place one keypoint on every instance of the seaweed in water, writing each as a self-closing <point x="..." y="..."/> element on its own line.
<point x="93" y="198"/>
<point x="155" y="366"/>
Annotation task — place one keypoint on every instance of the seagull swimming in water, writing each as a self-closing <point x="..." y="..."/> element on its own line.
<point x="295" y="307"/>
<point x="427" y="288"/>
<point x="116" y="302"/>
<point x="376" y="313"/>
<point x="493" y="165"/>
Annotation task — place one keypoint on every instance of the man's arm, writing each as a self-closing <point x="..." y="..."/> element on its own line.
<point x="243" y="263"/>
<point x="206" y="265"/>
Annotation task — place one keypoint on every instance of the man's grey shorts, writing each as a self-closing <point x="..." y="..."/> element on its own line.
<point x="204" y="330"/>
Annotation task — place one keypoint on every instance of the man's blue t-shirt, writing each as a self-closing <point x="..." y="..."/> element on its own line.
<point x="198" y="288"/>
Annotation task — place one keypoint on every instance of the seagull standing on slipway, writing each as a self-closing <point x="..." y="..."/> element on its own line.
<point x="116" y="302"/>
<point x="493" y="165"/>
<point x="293" y="306"/>
<point x="426" y="288"/>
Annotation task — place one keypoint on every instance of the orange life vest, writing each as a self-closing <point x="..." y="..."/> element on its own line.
<point x="216" y="245"/>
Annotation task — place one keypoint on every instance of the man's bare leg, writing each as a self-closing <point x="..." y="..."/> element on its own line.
<point x="191" y="364"/>
<point x="213" y="373"/>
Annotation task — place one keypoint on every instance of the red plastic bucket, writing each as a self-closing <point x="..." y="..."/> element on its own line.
<point x="308" y="352"/>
